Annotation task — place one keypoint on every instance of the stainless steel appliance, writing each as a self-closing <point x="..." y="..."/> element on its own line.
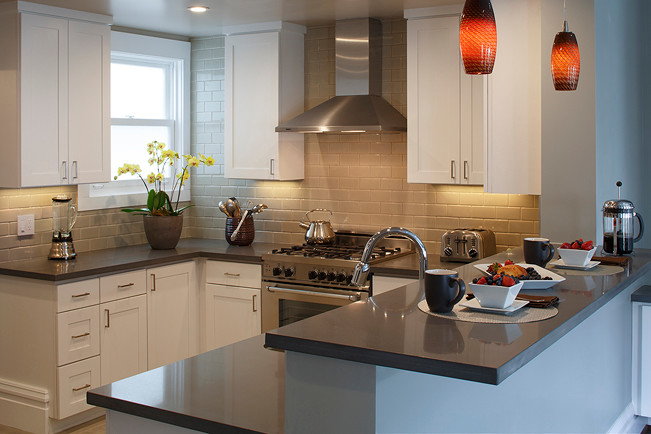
<point x="302" y="281"/>
<point x="318" y="231"/>
<point x="618" y="225"/>
<point x="467" y="245"/>
<point x="64" y="216"/>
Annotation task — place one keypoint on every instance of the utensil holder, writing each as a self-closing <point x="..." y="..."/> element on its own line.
<point x="245" y="235"/>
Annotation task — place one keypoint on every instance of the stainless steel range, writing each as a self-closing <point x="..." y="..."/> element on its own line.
<point x="302" y="281"/>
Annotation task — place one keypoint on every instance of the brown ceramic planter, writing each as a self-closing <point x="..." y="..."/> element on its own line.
<point x="163" y="232"/>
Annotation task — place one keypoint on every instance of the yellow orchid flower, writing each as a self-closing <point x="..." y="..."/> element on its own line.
<point x="193" y="162"/>
<point x="151" y="178"/>
<point x="210" y="161"/>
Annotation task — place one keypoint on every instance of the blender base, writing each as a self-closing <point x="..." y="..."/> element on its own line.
<point x="62" y="250"/>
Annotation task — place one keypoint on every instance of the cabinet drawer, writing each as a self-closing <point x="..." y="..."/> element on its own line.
<point x="234" y="274"/>
<point x="73" y="381"/>
<point x="122" y="285"/>
<point x="78" y="294"/>
<point x="77" y="334"/>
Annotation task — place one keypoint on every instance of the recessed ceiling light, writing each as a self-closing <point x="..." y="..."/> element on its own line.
<point x="198" y="9"/>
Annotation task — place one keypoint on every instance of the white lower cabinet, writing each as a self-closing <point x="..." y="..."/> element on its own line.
<point x="172" y="314"/>
<point x="124" y="338"/>
<point x="642" y="359"/>
<point x="74" y="380"/>
<point x="232" y="314"/>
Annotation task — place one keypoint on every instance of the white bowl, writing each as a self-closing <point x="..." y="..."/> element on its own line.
<point x="498" y="297"/>
<point x="578" y="257"/>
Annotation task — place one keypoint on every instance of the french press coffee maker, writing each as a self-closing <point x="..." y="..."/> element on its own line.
<point x="618" y="225"/>
<point x="64" y="216"/>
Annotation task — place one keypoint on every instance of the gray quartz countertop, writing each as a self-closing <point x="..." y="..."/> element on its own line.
<point x="390" y="330"/>
<point x="642" y="295"/>
<point x="133" y="257"/>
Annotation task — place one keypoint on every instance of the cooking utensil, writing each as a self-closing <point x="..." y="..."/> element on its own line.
<point x="258" y="208"/>
<point x="618" y="225"/>
<point x="222" y="208"/>
<point x="233" y="207"/>
<point x="237" y="229"/>
<point x="318" y="231"/>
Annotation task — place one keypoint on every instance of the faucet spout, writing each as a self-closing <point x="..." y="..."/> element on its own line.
<point x="360" y="275"/>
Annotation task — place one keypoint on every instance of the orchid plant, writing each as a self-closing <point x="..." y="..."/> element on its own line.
<point x="159" y="203"/>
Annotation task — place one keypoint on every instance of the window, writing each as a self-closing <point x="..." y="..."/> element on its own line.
<point x="150" y="99"/>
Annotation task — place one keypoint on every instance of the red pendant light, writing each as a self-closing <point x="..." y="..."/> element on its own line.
<point x="478" y="37"/>
<point x="566" y="59"/>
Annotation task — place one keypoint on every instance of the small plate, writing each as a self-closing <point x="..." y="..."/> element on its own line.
<point x="531" y="284"/>
<point x="559" y="263"/>
<point x="474" y="305"/>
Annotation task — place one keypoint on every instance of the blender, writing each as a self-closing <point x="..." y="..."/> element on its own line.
<point x="618" y="225"/>
<point x="64" y="216"/>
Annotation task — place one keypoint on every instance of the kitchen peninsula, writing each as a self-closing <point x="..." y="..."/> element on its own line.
<point x="384" y="366"/>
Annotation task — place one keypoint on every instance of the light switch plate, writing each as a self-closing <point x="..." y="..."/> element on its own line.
<point x="25" y="225"/>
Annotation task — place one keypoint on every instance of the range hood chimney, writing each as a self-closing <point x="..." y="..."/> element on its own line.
<point x="358" y="106"/>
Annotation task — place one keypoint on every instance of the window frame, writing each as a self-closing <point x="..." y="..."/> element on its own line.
<point x="147" y="49"/>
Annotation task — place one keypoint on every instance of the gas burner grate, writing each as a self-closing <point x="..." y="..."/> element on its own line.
<point x="335" y="252"/>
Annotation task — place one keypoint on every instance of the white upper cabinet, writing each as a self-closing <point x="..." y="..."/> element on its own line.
<point x="264" y="85"/>
<point x="446" y="107"/>
<point x="55" y="114"/>
<point x="513" y="156"/>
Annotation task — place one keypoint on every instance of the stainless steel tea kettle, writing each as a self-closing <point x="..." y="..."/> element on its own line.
<point x="618" y="225"/>
<point x="318" y="231"/>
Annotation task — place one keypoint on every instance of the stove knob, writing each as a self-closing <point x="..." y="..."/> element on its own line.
<point x="341" y="277"/>
<point x="448" y="251"/>
<point x="472" y="253"/>
<point x="277" y="271"/>
<point x="349" y="279"/>
<point x="321" y="275"/>
<point x="289" y="272"/>
<point x="331" y="276"/>
<point x="312" y="274"/>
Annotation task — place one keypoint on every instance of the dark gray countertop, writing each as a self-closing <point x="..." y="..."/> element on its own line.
<point x="391" y="330"/>
<point x="238" y="388"/>
<point x="642" y="295"/>
<point x="133" y="257"/>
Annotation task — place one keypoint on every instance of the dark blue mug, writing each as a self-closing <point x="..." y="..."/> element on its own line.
<point x="443" y="289"/>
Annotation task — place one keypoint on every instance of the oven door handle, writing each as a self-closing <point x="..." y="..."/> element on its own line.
<point x="355" y="297"/>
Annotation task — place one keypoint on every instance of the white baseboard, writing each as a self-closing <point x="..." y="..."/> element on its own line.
<point x="628" y="422"/>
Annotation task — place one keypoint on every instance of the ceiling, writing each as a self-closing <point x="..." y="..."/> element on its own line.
<point x="172" y="16"/>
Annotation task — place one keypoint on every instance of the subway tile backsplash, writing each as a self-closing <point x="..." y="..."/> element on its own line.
<point x="360" y="177"/>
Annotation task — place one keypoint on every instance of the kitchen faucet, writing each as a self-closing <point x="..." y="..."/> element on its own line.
<point x="360" y="275"/>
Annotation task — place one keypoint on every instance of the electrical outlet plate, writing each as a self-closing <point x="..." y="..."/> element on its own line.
<point x="25" y="225"/>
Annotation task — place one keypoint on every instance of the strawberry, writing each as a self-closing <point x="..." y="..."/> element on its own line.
<point x="587" y="245"/>
<point x="566" y="246"/>
<point x="508" y="262"/>
<point x="575" y="245"/>
<point x="482" y="281"/>
<point x="508" y="281"/>
<point x="580" y="240"/>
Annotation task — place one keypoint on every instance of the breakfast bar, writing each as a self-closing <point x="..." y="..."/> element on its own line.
<point x="383" y="365"/>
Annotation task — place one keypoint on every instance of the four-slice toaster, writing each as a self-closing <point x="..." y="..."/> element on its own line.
<point x="467" y="245"/>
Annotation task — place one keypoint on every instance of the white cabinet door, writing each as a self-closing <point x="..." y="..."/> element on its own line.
<point x="89" y="119"/>
<point x="232" y="314"/>
<point x="43" y="100"/>
<point x="263" y="87"/>
<point x="514" y="101"/>
<point x="172" y="314"/>
<point x="123" y="338"/>
<point x="445" y="130"/>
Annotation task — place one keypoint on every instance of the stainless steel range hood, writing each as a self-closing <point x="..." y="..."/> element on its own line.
<point x="358" y="106"/>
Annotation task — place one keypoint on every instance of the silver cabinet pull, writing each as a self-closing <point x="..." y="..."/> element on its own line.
<point x="452" y="169"/>
<point x="271" y="167"/>
<point x="80" y="295"/>
<point x="153" y="282"/>
<point x="355" y="297"/>
<point x="80" y="336"/>
<point x="126" y="285"/>
<point x="64" y="169"/>
<point x="255" y="308"/>
<point x="74" y="166"/>
<point x="231" y="274"/>
<point x="465" y="169"/>
<point x="107" y="324"/>
<point x="81" y="388"/>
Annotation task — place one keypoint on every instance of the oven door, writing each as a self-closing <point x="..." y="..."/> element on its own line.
<point x="283" y="303"/>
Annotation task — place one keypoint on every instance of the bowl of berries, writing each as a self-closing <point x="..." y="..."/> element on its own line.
<point x="498" y="291"/>
<point x="578" y="252"/>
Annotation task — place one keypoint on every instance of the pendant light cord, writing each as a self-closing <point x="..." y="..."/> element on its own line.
<point x="564" y="15"/>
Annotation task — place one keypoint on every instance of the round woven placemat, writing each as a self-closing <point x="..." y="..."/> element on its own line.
<point x="525" y="314"/>
<point x="599" y="270"/>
